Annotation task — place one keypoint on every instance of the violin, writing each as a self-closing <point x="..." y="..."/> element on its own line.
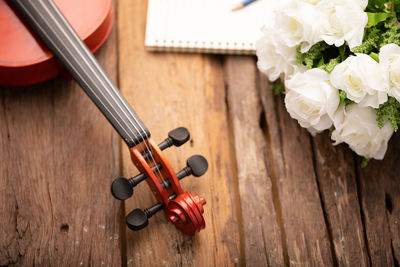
<point x="54" y="34"/>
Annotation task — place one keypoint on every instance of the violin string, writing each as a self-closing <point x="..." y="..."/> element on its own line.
<point x="145" y="141"/>
<point x="116" y="102"/>
<point x="94" y="92"/>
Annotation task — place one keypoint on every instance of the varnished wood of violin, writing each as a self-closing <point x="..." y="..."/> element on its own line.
<point x="185" y="211"/>
<point x="25" y="59"/>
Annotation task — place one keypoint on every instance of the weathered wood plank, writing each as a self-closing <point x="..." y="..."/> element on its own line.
<point x="336" y="176"/>
<point x="58" y="156"/>
<point x="291" y="167"/>
<point x="380" y="198"/>
<point x="170" y="90"/>
<point x="262" y="237"/>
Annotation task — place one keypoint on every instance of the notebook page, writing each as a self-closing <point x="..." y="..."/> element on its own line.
<point x="205" y="25"/>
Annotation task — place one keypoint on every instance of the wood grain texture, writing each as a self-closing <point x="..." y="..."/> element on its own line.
<point x="291" y="166"/>
<point x="58" y="158"/>
<point x="380" y="198"/>
<point x="338" y="188"/>
<point x="261" y="233"/>
<point x="170" y="90"/>
<point x="275" y="196"/>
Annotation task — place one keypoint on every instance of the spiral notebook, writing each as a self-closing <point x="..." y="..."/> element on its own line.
<point x="207" y="26"/>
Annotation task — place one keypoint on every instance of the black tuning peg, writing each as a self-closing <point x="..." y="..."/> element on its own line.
<point x="139" y="219"/>
<point x="122" y="188"/>
<point x="196" y="165"/>
<point x="176" y="137"/>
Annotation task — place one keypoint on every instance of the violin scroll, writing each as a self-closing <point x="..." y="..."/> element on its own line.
<point x="182" y="209"/>
<point x="186" y="213"/>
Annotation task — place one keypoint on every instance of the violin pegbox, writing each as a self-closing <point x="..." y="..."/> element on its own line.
<point x="182" y="209"/>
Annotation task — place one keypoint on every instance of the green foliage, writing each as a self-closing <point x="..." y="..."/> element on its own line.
<point x="313" y="56"/>
<point x="389" y="111"/>
<point x="382" y="28"/>
<point x="376" y="5"/>
<point x="331" y="131"/>
<point x="375" y="18"/>
<point x="397" y="9"/>
<point x="365" y="162"/>
<point x="375" y="56"/>
<point x="344" y="99"/>
<point x="328" y="67"/>
<point x="323" y="56"/>
<point x="392" y="33"/>
<point x="387" y="6"/>
<point x="371" y="42"/>
<point x="277" y="87"/>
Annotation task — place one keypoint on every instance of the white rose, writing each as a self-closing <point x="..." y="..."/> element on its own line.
<point x="363" y="3"/>
<point x="296" y="21"/>
<point x="274" y="57"/>
<point x="311" y="99"/>
<point x="389" y="59"/>
<point x="361" y="78"/>
<point x="357" y="126"/>
<point x="312" y="2"/>
<point x="342" y="20"/>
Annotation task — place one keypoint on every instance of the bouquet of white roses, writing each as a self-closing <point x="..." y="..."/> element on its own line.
<point x="340" y="63"/>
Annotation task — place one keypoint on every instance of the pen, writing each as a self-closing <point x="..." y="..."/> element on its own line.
<point x="242" y="4"/>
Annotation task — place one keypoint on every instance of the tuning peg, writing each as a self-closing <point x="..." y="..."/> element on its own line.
<point x="122" y="188"/>
<point x="139" y="219"/>
<point x="196" y="165"/>
<point x="176" y="137"/>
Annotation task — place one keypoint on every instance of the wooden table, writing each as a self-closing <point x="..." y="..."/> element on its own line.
<point x="275" y="195"/>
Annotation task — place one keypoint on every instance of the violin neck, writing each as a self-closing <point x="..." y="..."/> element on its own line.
<point x="47" y="21"/>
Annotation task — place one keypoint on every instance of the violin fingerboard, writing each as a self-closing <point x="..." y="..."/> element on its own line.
<point x="47" y="21"/>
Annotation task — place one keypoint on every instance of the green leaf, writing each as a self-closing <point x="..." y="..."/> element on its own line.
<point x="320" y="62"/>
<point x="375" y="18"/>
<point x="344" y="99"/>
<point x="375" y="56"/>
<point x="365" y="162"/>
<point x="342" y="53"/>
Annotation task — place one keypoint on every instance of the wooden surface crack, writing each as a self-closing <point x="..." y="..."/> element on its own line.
<point x="395" y="260"/>
<point x="270" y="161"/>
<point x="324" y="211"/>
<point x="234" y="159"/>
<point x="277" y="114"/>
<point x="360" y="196"/>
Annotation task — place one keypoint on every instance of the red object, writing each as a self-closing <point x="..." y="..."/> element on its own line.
<point x="25" y="60"/>
<point x="186" y="210"/>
